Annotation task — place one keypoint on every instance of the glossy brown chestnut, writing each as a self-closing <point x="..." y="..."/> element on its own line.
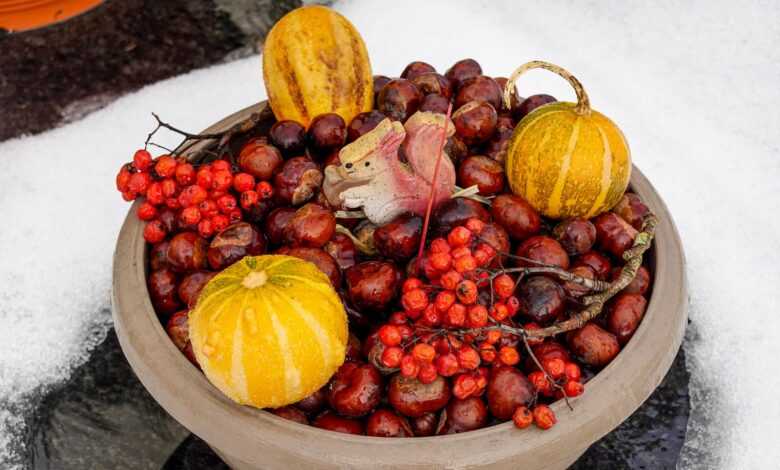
<point x="372" y="285"/>
<point x="614" y="234"/>
<point x="187" y="252"/>
<point x="190" y="287"/>
<point x="462" y="70"/>
<point x="574" y="289"/>
<point x="312" y="225"/>
<point x="507" y="389"/>
<point x="379" y="82"/>
<point x="236" y="241"/>
<point x="399" y="99"/>
<point x="399" y="239"/>
<point x="479" y="88"/>
<point x="425" y="425"/>
<point x="169" y="220"/>
<point x="456" y="149"/>
<point x="631" y="209"/>
<point x="624" y="313"/>
<point x="497" y="146"/>
<point x="435" y="104"/>
<point x="158" y="256"/>
<point x="544" y="250"/>
<point x="326" y="132"/>
<point x="475" y="122"/>
<point x="495" y="236"/>
<point x="297" y="181"/>
<point x="482" y="171"/>
<point x="517" y="216"/>
<point x="464" y="415"/>
<point x="593" y="345"/>
<point x="433" y="83"/>
<point x="355" y="389"/>
<point x="319" y="257"/>
<point x="179" y="331"/>
<point x="342" y="249"/>
<point x="315" y="402"/>
<point x="416" y="68"/>
<point x="531" y="103"/>
<point x="289" y="137"/>
<point x="333" y="422"/>
<point x="260" y="161"/>
<point x="596" y="261"/>
<point x="457" y="211"/>
<point x="162" y="290"/>
<point x="541" y="299"/>
<point x="386" y="423"/>
<point x="576" y="236"/>
<point x="639" y="285"/>
<point x="276" y="222"/>
<point x="292" y="413"/>
<point x="412" y="398"/>
<point x="363" y="123"/>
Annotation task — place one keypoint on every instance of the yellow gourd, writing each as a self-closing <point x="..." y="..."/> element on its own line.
<point x="566" y="159"/>
<point x="315" y="62"/>
<point x="269" y="330"/>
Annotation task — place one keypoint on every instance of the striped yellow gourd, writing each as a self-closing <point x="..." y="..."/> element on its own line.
<point x="269" y="330"/>
<point x="315" y="62"/>
<point x="566" y="159"/>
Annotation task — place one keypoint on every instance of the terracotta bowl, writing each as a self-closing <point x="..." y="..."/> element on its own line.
<point x="248" y="438"/>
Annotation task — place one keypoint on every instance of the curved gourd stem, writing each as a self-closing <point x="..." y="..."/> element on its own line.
<point x="583" y="102"/>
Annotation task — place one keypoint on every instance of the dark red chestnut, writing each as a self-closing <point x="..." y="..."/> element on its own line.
<point x="497" y="146"/>
<point x="507" y="389"/>
<point x="169" y="220"/>
<point x="495" y="236"/>
<point x="576" y="236"/>
<point x="631" y="209"/>
<point x="482" y="171"/>
<point x="386" y="423"/>
<point x="363" y="123"/>
<point x="541" y="299"/>
<point x="320" y="258"/>
<point x="531" y="103"/>
<point x="372" y="285"/>
<point x="399" y="99"/>
<point x="260" y="160"/>
<point x="162" y="290"/>
<point x="464" y="415"/>
<point x="475" y="122"/>
<point x="614" y="234"/>
<point x="435" y="104"/>
<point x="342" y="249"/>
<point x="379" y="82"/>
<point x="425" y="425"/>
<point x="236" y="241"/>
<point x="354" y="349"/>
<point x="574" y="289"/>
<point x="592" y="344"/>
<point x="457" y="211"/>
<point x="326" y="132"/>
<point x="333" y="422"/>
<point x="291" y="413"/>
<point x="315" y="402"/>
<point x="158" y="256"/>
<point x="596" y="261"/>
<point x="297" y="181"/>
<point x="190" y="287"/>
<point x="179" y="331"/>
<point x="456" y="149"/>
<point x="399" y="239"/>
<point x="312" y="225"/>
<point x="355" y="389"/>
<point x="624" y="313"/>
<point x="276" y="222"/>
<point x="517" y="216"/>
<point x="187" y="252"/>
<point x="542" y="250"/>
<point x="412" y="398"/>
<point x="641" y="283"/>
<point x="462" y="70"/>
<point x="289" y="137"/>
<point x="479" y="88"/>
<point x="416" y="68"/>
<point x="432" y="83"/>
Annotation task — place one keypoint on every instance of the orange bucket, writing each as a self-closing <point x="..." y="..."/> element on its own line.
<point x="20" y="15"/>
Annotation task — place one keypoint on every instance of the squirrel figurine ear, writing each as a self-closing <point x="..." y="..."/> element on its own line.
<point x="370" y="141"/>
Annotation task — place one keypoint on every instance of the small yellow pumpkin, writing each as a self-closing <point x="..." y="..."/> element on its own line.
<point x="269" y="330"/>
<point x="315" y="62"/>
<point x="566" y="159"/>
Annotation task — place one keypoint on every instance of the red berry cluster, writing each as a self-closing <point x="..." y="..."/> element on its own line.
<point x="177" y="194"/>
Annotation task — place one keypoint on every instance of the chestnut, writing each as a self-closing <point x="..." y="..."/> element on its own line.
<point x="291" y="413"/>
<point x="631" y="209"/>
<point x="412" y="398"/>
<point x="319" y="258"/>
<point x="546" y="351"/>
<point x="372" y="285"/>
<point x="236" y="241"/>
<point x="257" y="213"/>
<point x="495" y="236"/>
<point x="399" y="239"/>
<point x="435" y="104"/>
<point x="260" y="161"/>
<point x="462" y="70"/>
<point x="416" y="68"/>
<point x="289" y="137"/>
<point x="190" y="287"/>
<point x="531" y="103"/>
<point x="158" y="256"/>
<point x="639" y="285"/>
<point x="542" y="250"/>
<point x="162" y="290"/>
<point x="456" y="149"/>
<point x="614" y="234"/>
<point x="457" y="211"/>
<point x="516" y="215"/>
<point x="386" y="423"/>
<point x="595" y="346"/>
<point x="624" y="313"/>
<point x="187" y="252"/>
<point x="179" y="331"/>
<point x="576" y="236"/>
<point x="326" y="132"/>
<point x="475" y="122"/>
<point x="355" y="389"/>
<point x="276" y="222"/>
<point x="379" y="82"/>
<point x="432" y="83"/>
<point x="354" y="349"/>
<point x="169" y="220"/>
<point x="425" y="425"/>
<point x="507" y="389"/>
<point x="312" y="225"/>
<point x="479" y="88"/>
<point x="541" y="299"/>
<point x="399" y="99"/>
<point x="464" y="415"/>
<point x="596" y="261"/>
<point x="362" y="124"/>
<point x="333" y="422"/>
<point x="297" y="181"/>
<point x="482" y="171"/>
<point x="574" y="289"/>
<point x="342" y="249"/>
<point x="315" y="402"/>
<point x="497" y="146"/>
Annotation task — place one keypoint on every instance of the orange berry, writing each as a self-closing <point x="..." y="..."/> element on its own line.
<point x="414" y="300"/>
<point x="459" y="236"/>
<point x="409" y="366"/>
<point x="439" y="245"/>
<point x="522" y="417"/>
<point x="503" y="285"/>
<point x="499" y="312"/>
<point x="447" y="365"/>
<point x="465" y="264"/>
<point x="466" y="292"/>
<point x="468" y="358"/>
<point x="478" y="316"/>
<point x="455" y="315"/>
<point x="508" y="355"/>
<point x="555" y="367"/>
<point x="450" y="279"/>
<point x="389" y="335"/>
<point x="475" y="225"/>
<point x="573" y="388"/>
<point x="411" y="283"/>
<point x="465" y="385"/>
<point x="440" y="261"/>
<point x="427" y="373"/>
<point x="493" y="336"/>
<point x="544" y="417"/>
<point x="423" y="352"/>
<point x="572" y="371"/>
<point x="487" y="352"/>
<point x="391" y="357"/>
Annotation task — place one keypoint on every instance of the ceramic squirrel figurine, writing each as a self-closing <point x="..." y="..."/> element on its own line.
<point x="373" y="177"/>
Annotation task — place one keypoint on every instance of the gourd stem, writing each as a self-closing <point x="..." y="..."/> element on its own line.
<point x="583" y="102"/>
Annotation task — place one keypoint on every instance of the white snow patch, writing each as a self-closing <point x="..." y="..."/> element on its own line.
<point x="693" y="86"/>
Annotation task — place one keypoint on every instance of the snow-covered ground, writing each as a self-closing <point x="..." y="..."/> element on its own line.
<point x="695" y="86"/>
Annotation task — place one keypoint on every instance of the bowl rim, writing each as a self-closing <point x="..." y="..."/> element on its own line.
<point x="257" y="437"/>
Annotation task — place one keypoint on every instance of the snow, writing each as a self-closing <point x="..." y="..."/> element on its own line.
<point x="694" y="86"/>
